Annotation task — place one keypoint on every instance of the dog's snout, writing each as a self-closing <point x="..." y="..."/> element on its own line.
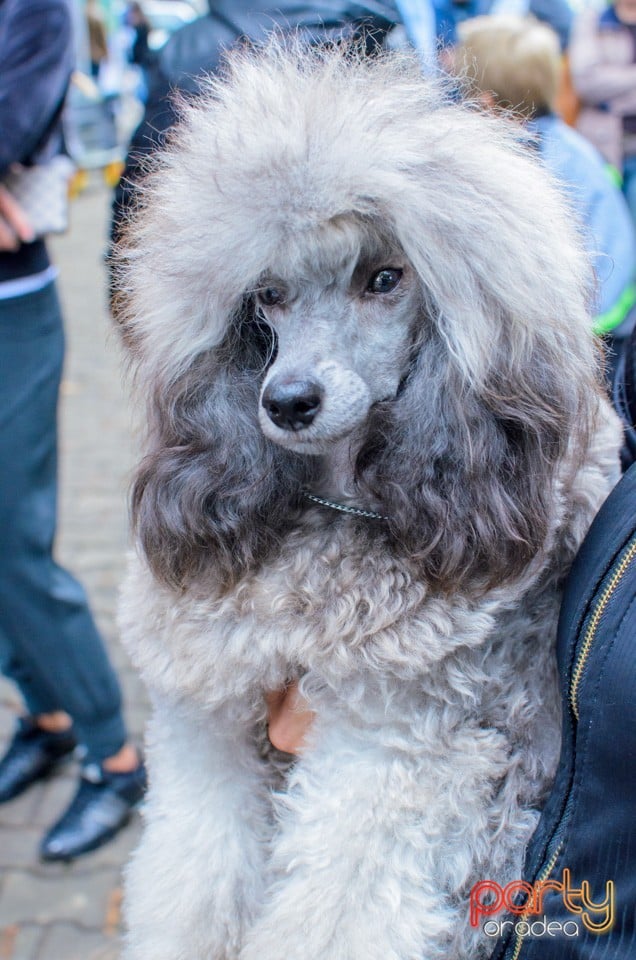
<point x="292" y="404"/>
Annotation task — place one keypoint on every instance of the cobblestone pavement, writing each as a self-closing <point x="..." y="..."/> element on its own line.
<point x="72" y="912"/>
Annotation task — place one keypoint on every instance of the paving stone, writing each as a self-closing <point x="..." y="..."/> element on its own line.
<point x="20" y="943"/>
<point x="29" y="897"/>
<point x="132" y="683"/>
<point x="21" y="811"/>
<point x="137" y="717"/>
<point x="18" y="848"/>
<point x="67" y="942"/>
<point x="121" y="659"/>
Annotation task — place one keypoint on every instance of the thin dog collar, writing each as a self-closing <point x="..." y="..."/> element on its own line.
<point x="343" y="508"/>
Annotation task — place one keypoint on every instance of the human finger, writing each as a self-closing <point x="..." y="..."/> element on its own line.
<point x="289" y="719"/>
<point x="15" y="216"/>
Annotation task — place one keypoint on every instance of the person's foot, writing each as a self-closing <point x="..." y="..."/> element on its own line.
<point x="32" y="755"/>
<point x="100" y="808"/>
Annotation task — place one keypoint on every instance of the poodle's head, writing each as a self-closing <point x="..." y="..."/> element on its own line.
<point x="342" y="307"/>
<point x="330" y="248"/>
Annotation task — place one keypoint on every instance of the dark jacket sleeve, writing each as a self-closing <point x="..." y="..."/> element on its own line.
<point x="36" y="61"/>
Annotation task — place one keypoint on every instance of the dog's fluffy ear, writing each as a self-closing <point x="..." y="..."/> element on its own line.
<point x="212" y="493"/>
<point x="504" y="391"/>
<point x="468" y="479"/>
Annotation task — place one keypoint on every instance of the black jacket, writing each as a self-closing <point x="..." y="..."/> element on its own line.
<point x="587" y="825"/>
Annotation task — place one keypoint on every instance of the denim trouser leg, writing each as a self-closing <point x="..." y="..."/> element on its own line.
<point x="49" y="644"/>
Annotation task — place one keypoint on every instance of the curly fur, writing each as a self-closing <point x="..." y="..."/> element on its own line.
<point x="464" y="406"/>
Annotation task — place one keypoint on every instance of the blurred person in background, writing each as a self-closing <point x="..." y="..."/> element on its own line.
<point x="513" y="65"/>
<point x="97" y="36"/>
<point x="49" y="644"/>
<point x="432" y="25"/>
<point x="140" y="52"/>
<point x="603" y="66"/>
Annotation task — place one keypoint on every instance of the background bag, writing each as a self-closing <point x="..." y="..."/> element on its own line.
<point x="42" y="192"/>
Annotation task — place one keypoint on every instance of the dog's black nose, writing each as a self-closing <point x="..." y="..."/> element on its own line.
<point x="293" y="404"/>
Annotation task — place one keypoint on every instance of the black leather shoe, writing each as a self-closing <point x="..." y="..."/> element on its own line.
<point x="32" y="755"/>
<point x="100" y="808"/>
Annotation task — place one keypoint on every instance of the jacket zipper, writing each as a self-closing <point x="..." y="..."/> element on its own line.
<point x="545" y="873"/>
<point x="628" y="555"/>
<point x="579" y="668"/>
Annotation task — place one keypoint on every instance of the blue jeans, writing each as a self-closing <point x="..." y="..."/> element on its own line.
<point x="49" y="645"/>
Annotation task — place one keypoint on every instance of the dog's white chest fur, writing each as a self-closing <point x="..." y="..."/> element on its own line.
<point x="416" y="761"/>
<point x="333" y="601"/>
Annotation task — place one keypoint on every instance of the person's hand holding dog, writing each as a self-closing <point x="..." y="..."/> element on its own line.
<point x="288" y="719"/>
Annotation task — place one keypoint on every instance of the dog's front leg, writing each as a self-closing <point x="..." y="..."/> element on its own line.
<point x="195" y="881"/>
<point x="350" y="864"/>
<point x="380" y="838"/>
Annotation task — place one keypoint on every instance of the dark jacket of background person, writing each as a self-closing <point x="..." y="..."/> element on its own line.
<point x="603" y="70"/>
<point x="197" y="48"/>
<point x="31" y="100"/>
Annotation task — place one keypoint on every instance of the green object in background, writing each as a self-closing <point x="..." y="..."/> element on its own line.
<point x="615" y="175"/>
<point x="608" y="321"/>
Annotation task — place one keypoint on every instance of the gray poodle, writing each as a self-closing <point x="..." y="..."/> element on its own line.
<point x="357" y="318"/>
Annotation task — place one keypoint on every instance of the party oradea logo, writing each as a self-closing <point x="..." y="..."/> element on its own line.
<point x="488" y="900"/>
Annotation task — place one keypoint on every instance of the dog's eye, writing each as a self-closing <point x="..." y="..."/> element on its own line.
<point x="270" y="296"/>
<point x="384" y="281"/>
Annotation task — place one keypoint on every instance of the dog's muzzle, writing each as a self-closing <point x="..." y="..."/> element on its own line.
<point x="292" y="404"/>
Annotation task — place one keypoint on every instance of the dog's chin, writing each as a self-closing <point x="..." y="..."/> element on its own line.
<point x="310" y="441"/>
